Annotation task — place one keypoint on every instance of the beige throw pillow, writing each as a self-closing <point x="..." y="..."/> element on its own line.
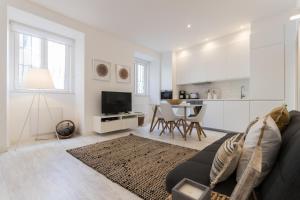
<point x="270" y="145"/>
<point x="281" y="116"/>
<point x="226" y="159"/>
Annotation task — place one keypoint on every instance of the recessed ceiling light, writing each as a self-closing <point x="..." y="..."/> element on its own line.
<point x="295" y="17"/>
<point x="189" y="26"/>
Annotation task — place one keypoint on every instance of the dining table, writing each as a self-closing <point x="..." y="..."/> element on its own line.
<point x="184" y="106"/>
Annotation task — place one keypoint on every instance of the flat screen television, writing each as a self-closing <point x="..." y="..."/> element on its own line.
<point x="116" y="102"/>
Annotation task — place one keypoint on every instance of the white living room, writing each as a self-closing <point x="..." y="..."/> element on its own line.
<point x="154" y="100"/>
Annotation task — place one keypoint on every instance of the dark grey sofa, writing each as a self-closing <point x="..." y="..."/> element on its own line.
<point x="283" y="182"/>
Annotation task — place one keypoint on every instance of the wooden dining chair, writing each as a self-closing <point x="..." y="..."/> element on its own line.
<point x="195" y="122"/>
<point x="170" y="119"/>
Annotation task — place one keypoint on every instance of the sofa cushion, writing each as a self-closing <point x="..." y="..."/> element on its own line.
<point x="198" y="169"/>
<point x="283" y="182"/>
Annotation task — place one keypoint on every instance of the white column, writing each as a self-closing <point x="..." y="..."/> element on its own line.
<point x="3" y="75"/>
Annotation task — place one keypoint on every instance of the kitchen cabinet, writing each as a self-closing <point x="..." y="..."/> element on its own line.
<point x="267" y="73"/>
<point x="261" y="108"/>
<point x="267" y="59"/>
<point x="236" y="115"/>
<point x="213" y="117"/>
<point x="226" y="58"/>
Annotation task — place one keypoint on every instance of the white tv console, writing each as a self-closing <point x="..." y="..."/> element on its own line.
<point x="110" y="123"/>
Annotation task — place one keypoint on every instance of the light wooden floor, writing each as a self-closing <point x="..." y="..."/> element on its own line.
<point x="46" y="171"/>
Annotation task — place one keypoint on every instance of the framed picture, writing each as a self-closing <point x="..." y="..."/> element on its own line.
<point x="101" y="70"/>
<point x="123" y="73"/>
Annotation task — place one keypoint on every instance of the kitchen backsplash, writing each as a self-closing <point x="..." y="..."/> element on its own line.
<point x="225" y="89"/>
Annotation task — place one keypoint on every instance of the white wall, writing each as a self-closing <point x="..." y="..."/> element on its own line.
<point x="100" y="45"/>
<point x="3" y="75"/>
<point x="166" y="71"/>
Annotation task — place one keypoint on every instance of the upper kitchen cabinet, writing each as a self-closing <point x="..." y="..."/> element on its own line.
<point x="267" y="73"/>
<point x="226" y="58"/>
<point x="267" y="60"/>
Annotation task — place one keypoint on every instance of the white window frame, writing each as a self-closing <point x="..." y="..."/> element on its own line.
<point x="146" y="76"/>
<point x="16" y="29"/>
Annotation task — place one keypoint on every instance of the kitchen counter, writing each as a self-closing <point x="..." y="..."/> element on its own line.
<point x="232" y="99"/>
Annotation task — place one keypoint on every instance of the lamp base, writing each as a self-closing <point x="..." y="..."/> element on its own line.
<point x="39" y="96"/>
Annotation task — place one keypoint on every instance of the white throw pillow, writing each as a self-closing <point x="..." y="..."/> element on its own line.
<point x="270" y="146"/>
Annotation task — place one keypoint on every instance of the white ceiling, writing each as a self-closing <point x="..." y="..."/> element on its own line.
<point x="161" y="24"/>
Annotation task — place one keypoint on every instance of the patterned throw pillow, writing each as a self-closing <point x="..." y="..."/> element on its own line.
<point x="226" y="159"/>
<point x="266" y="130"/>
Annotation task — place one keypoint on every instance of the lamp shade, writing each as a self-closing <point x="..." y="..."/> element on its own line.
<point x="38" y="78"/>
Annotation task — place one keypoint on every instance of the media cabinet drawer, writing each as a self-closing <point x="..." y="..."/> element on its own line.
<point x="110" y="123"/>
<point x="109" y="126"/>
<point x="131" y="123"/>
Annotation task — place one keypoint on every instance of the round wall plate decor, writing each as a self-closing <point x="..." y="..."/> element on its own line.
<point x="102" y="70"/>
<point x="123" y="73"/>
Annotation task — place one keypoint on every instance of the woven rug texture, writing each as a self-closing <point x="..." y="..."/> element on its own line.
<point x="136" y="163"/>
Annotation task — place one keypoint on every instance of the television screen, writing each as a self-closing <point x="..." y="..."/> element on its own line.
<point x="116" y="102"/>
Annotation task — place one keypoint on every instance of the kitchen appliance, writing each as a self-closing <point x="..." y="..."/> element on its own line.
<point x="182" y="94"/>
<point x="194" y="95"/>
<point x="166" y="94"/>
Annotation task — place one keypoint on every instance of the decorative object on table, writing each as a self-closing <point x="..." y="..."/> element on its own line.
<point x="187" y="189"/>
<point x="270" y="144"/>
<point x="174" y="101"/>
<point x="226" y="159"/>
<point x="102" y="70"/>
<point x="143" y="173"/>
<point x="213" y="196"/>
<point x="65" y="129"/>
<point x="123" y="73"/>
<point x="37" y="79"/>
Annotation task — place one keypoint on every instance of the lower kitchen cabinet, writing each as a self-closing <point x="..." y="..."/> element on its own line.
<point x="261" y="108"/>
<point x="213" y="117"/>
<point x="236" y="115"/>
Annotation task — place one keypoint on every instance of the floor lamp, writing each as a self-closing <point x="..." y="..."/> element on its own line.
<point x="37" y="79"/>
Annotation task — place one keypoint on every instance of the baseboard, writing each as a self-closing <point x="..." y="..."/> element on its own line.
<point x="219" y="130"/>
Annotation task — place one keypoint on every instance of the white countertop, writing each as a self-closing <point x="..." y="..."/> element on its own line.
<point x="233" y="99"/>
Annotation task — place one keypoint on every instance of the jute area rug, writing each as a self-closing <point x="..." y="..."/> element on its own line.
<point x="137" y="164"/>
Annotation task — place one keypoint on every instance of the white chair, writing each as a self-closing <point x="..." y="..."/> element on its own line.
<point x="160" y="119"/>
<point x="195" y="123"/>
<point x="170" y="119"/>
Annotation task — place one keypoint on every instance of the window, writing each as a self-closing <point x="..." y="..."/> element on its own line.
<point x="38" y="49"/>
<point x="141" y="77"/>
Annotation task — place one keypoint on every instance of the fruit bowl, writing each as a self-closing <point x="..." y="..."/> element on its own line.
<point x="174" y="101"/>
